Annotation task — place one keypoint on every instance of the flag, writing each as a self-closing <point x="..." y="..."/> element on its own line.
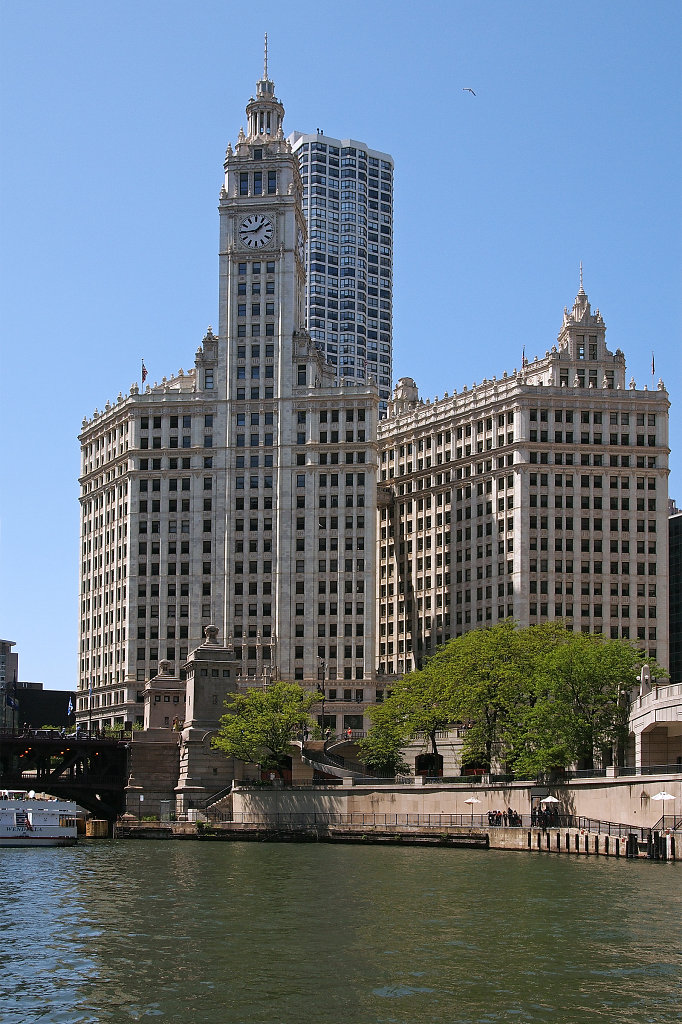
<point x="653" y="365"/>
<point x="69" y="710"/>
<point x="523" y="357"/>
<point x="144" y="372"/>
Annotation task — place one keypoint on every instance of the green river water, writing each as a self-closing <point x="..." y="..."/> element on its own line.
<point x="249" y="933"/>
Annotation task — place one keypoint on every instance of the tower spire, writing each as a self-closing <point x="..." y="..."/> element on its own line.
<point x="581" y="278"/>
<point x="265" y="112"/>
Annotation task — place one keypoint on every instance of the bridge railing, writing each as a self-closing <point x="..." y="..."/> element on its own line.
<point x="31" y="780"/>
<point x="65" y="737"/>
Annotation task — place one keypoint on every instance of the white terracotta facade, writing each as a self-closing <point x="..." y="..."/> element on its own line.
<point x="259" y="491"/>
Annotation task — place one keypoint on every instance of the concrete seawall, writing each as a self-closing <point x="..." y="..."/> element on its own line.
<point x="627" y="799"/>
<point x="571" y="841"/>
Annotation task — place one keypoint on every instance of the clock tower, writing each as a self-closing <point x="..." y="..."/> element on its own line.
<point x="299" y="580"/>
<point x="262" y="245"/>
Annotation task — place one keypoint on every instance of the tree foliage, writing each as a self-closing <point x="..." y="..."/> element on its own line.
<point x="259" y="725"/>
<point x="380" y="749"/>
<point x="532" y="699"/>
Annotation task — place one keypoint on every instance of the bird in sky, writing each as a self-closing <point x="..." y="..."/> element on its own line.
<point x="467" y="89"/>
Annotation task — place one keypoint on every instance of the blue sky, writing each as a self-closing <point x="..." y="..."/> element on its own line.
<point x="115" y="120"/>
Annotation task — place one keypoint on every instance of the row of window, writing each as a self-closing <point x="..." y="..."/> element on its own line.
<point x="173" y="463"/>
<point x="155" y="505"/>
<point x="174" y="422"/>
<point x="254" y="393"/>
<point x="596" y="502"/>
<point x="255" y="183"/>
<point x="597" y="567"/>
<point x="586" y="437"/>
<point x="255" y="267"/>
<point x="346" y="151"/>
<point x="256" y="288"/>
<point x="255" y="332"/>
<point x="595" y="480"/>
<point x="174" y="484"/>
<point x="596" y="417"/>
<point x="256" y="311"/>
<point x="592" y="544"/>
<point x="174" y="441"/>
<point x="593" y="525"/>
<point x="255" y="351"/>
<point x="588" y="459"/>
<point x="172" y="569"/>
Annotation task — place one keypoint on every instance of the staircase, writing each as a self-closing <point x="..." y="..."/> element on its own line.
<point x="314" y="754"/>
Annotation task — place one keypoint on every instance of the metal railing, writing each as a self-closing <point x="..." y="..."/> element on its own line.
<point x="488" y="820"/>
<point x="668" y="822"/>
<point x="65" y="737"/>
<point x="456" y="780"/>
<point x="613" y="828"/>
<point x="68" y="779"/>
<point x="651" y="769"/>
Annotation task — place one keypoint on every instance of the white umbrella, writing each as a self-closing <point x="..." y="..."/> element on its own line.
<point x="664" y="796"/>
<point x="472" y="800"/>
<point x="549" y="800"/>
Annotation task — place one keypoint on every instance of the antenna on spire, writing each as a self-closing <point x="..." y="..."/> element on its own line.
<point x="265" y="61"/>
<point x="581" y="275"/>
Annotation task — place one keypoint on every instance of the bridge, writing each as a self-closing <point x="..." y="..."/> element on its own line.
<point x="93" y="772"/>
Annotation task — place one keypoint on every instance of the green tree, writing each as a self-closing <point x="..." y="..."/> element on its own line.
<point x="259" y="725"/>
<point x="532" y="699"/>
<point x="380" y="749"/>
<point x="485" y="673"/>
<point x="585" y="682"/>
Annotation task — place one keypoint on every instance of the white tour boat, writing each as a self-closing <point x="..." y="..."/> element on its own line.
<point x="28" y="821"/>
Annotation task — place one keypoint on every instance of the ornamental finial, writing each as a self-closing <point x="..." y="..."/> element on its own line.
<point x="581" y="276"/>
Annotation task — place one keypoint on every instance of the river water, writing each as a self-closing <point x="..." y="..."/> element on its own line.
<point x="259" y="933"/>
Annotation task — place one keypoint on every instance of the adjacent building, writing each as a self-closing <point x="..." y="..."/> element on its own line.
<point x="675" y="577"/>
<point x="538" y="495"/>
<point x="27" y="704"/>
<point x="9" y="671"/>
<point x="348" y="206"/>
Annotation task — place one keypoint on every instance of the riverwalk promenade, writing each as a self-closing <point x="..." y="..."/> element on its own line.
<point x="588" y="816"/>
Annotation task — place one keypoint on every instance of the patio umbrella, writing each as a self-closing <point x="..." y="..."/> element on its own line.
<point x="549" y="800"/>
<point x="472" y="800"/>
<point x="664" y="796"/>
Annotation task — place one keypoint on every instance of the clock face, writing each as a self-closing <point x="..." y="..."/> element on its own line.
<point x="301" y="246"/>
<point x="256" y="231"/>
